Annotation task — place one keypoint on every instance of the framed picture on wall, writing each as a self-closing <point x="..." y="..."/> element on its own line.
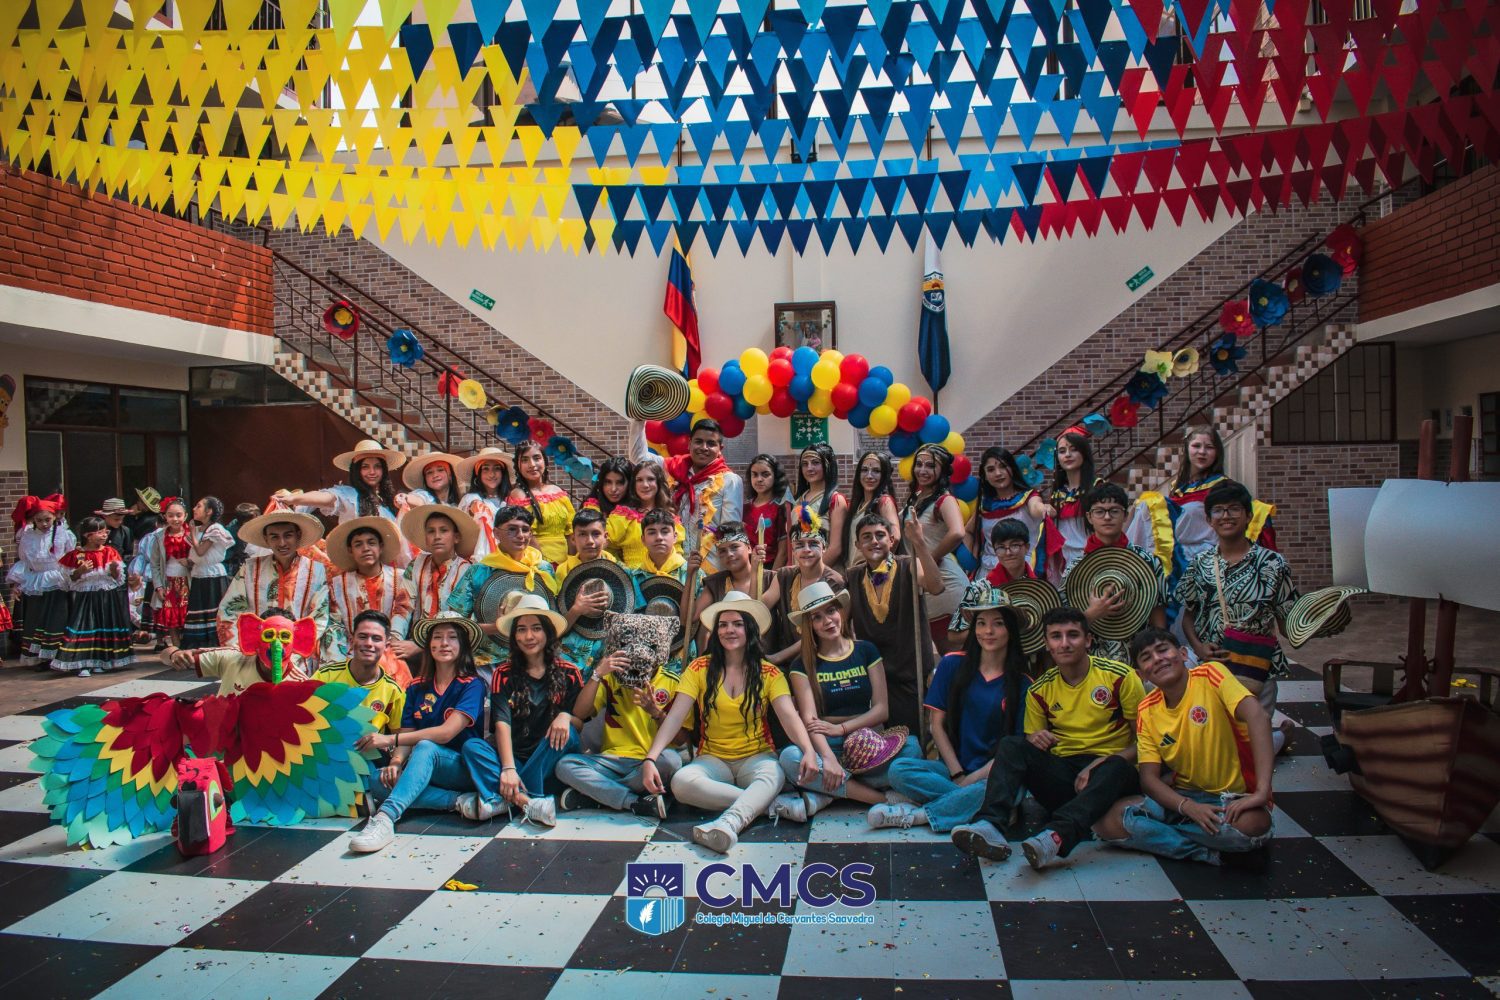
<point x="811" y="324"/>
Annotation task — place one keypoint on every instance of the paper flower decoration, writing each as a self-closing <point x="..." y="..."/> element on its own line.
<point x="1268" y="302"/>
<point x="1158" y="363"/>
<point x="1348" y="262"/>
<point x="492" y="415"/>
<point x="1235" y="318"/>
<point x="1146" y="389"/>
<point x="1225" y="355"/>
<point x="513" y="425"/>
<point x="1124" y="412"/>
<point x="1185" y="362"/>
<point x="542" y="431"/>
<point x="1321" y="275"/>
<point x="1295" y="290"/>
<point x="341" y="320"/>
<point x="1345" y="240"/>
<point x="1095" y="424"/>
<point x="471" y="394"/>
<point x="562" y="453"/>
<point x="1045" y="456"/>
<point x="404" y="348"/>
<point x="448" y="382"/>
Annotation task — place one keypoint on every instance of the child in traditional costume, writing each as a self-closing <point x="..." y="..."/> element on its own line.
<point x="98" y="634"/>
<point x="42" y="539"/>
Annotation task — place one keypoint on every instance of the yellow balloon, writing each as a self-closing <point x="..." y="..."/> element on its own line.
<point x="954" y="442"/>
<point x="903" y="468"/>
<point x="825" y="375"/>
<point x="967" y="509"/>
<point x="763" y="410"/>
<point x="753" y="362"/>
<point x="897" y="396"/>
<point x="836" y="357"/>
<point x="699" y="417"/>
<point x="882" y="421"/>
<point x="820" y="404"/>
<point x="758" y="390"/>
<point x="695" y="397"/>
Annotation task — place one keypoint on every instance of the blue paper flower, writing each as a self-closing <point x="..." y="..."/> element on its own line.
<point x="1268" y="302"/>
<point x="1225" y="355"/>
<point x="1321" y="275"/>
<point x="1096" y="424"/>
<point x="513" y="425"/>
<point x="1146" y="389"/>
<point x="1045" y="456"/>
<point x="404" y="348"/>
<point x="1030" y="475"/>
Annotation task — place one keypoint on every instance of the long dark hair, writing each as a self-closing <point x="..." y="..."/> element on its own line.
<point x="1005" y="458"/>
<point x="663" y="499"/>
<point x="830" y="463"/>
<point x="920" y="501"/>
<point x="464" y="666"/>
<point x="754" y="707"/>
<point x="215" y="508"/>
<point x="1185" y="473"/>
<point x="778" y="477"/>
<point x="512" y="673"/>
<point x="453" y="497"/>
<point x="968" y="669"/>
<point x="523" y="485"/>
<point x="476" y="482"/>
<point x="371" y="500"/>
<point x="618" y="466"/>
<point x="858" y="501"/>
<point x="1085" y="471"/>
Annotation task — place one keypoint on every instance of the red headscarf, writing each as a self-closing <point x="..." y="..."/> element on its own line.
<point x="680" y="468"/>
<point x="29" y="506"/>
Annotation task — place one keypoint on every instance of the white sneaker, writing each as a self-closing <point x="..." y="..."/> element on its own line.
<point x="378" y="833"/>
<point x="471" y="806"/>
<point x="982" y="840"/>
<point x="1042" y="850"/>
<point x="717" y="836"/>
<point x="903" y="815"/>
<point x="788" y="806"/>
<point x="541" y="811"/>
<point x="85" y="673"/>
<point x="895" y="798"/>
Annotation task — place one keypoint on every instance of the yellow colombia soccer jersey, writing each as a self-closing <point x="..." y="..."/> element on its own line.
<point x="383" y="696"/>
<point x="1094" y="717"/>
<point x="629" y="728"/>
<point x="724" y="732"/>
<point x="1199" y="740"/>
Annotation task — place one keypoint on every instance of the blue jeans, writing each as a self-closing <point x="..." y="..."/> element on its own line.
<point x="483" y="762"/>
<point x="1157" y="831"/>
<point x="791" y="763"/>
<point x="433" y="777"/>
<point x="613" y="781"/>
<point x="948" y="803"/>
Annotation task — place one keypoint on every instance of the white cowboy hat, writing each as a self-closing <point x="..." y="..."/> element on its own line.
<point x="736" y="600"/>
<point x="338" y="540"/>
<point x="369" y="449"/>
<point x="814" y="597"/>
<point x="523" y="604"/>
<point x="414" y="526"/>
<point x="467" y="466"/>
<point x="253" y="531"/>
<point x="411" y="475"/>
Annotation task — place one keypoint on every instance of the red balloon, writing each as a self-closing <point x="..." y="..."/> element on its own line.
<point x="845" y="398"/>
<point x="924" y="403"/>
<point x="909" y="418"/>
<point x="854" y="368"/>
<point x="708" y="380"/>
<point x="678" y="444"/>
<point x="782" y="404"/>
<point x="656" y="432"/>
<point x="782" y="353"/>
<point x="961" y="468"/>
<point x="718" y="406"/>
<point x="732" y="426"/>
<point x="779" y="371"/>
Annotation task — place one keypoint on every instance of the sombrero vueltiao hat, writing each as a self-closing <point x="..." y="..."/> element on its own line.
<point x="150" y="499"/>
<point x="599" y="572"/>
<point x="868" y="748"/>
<point x="1321" y="613"/>
<point x="369" y="449"/>
<point x="253" y="531"/>
<point x="524" y="604"/>
<point x="661" y="596"/>
<point x="338" y="540"/>
<point x="1032" y="599"/>
<point x="655" y="393"/>
<point x="414" y="526"/>
<point x="1109" y="570"/>
<point x="411" y="475"/>
<point x="114" y="505"/>
<point x="467" y="466"/>
<point x="740" y="601"/>
<point x="422" y="630"/>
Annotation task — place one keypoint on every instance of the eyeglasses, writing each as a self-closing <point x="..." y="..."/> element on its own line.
<point x="1108" y="511"/>
<point x="1012" y="547"/>
<point x="1224" y="513"/>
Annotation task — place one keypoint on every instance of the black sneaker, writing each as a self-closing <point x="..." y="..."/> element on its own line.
<point x="651" y="807"/>
<point x="571" y="800"/>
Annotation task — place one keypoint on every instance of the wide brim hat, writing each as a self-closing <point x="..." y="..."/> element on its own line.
<point x="655" y="393"/>
<point x="253" y="531"/>
<point x="466" y="468"/>
<point x="736" y="600"/>
<point x="1032" y="599"/>
<point x="150" y="499"/>
<point x="648" y="640"/>
<point x="114" y="505"/>
<point x="421" y="632"/>
<point x="369" y="449"/>
<point x="489" y="603"/>
<point x="525" y="604"/>
<point x="1109" y="570"/>
<point x="661" y="597"/>
<point x="414" y="526"/>
<point x="411" y="473"/>
<point x="338" y="540"/>
<point x="614" y="577"/>
<point x="868" y="748"/>
<point x="1321" y="613"/>
<point x="982" y="596"/>
<point x="814" y="597"/>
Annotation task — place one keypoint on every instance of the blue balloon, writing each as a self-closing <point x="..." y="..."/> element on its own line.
<point x="883" y="375"/>
<point x="801" y="388"/>
<point x="680" y="424"/>
<point x="859" y="417"/>
<point x="902" y="444"/>
<point x="967" y="490"/>
<point x="803" y="359"/>
<point x="934" y="429"/>
<point x="872" y="392"/>
<point x="743" y="409"/>
<point x="731" y="380"/>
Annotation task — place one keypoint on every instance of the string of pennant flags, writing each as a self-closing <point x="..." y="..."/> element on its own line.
<point x="858" y="91"/>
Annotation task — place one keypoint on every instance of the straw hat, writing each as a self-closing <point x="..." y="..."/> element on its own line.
<point x="421" y="632"/>
<point x="150" y="499"/>
<point x="1032" y="599"/>
<point x="982" y="596"/>
<point x="369" y="449"/>
<point x="414" y="526"/>
<point x="529" y="604"/>
<point x="736" y="600"/>
<point x="253" y="531"/>
<point x="467" y="466"/>
<point x="868" y="748"/>
<point x="411" y="475"/>
<point x="1321" y="613"/>
<point x="114" y="505"/>
<point x="1115" y="570"/>
<point x="338" y="540"/>
<point x="655" y="393"/>
<point x="814" y="597"/>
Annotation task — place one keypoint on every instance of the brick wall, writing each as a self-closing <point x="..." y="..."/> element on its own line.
<point x="1441" y="246"/>
<point x="56" y="238"/>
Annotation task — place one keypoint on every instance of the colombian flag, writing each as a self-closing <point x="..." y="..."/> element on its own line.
<point x="679" y="308"/>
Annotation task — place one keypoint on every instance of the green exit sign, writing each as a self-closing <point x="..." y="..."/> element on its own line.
<point x="808" y="430"/>
<point x="1139" y="278"/>
<point x="480" y="299"/>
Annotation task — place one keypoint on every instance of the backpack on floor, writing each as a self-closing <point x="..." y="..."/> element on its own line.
<point x="202" y="801"/>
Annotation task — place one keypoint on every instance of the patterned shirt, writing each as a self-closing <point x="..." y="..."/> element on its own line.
<point x="1258" y="591"/>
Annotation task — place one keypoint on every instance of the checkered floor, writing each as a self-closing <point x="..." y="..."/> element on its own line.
<point x="1339" y="909"/>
